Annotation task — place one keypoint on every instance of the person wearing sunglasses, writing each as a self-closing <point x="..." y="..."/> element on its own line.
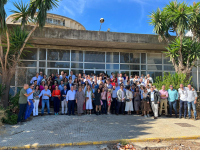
<point x="172" y="99"/>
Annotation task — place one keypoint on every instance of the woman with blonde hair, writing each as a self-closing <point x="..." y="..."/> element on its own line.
<point x="88" y="95"/>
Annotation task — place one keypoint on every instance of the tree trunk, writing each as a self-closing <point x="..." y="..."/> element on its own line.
<point x="6" y="79"/>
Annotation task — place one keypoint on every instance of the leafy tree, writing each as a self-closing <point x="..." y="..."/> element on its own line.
<point x="176" y="19"/>
<point x="16" y="39"/>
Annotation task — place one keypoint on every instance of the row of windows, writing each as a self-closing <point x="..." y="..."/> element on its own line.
<point x="55" y="21"/>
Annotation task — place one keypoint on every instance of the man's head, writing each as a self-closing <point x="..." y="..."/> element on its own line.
<point x="121" y="87"/>
<point x="61" y="82"/>
<point x="116" y="84"/>
<point x="62" y="72"/>
<point x="26" y="86"/>
<point x="71" y="72"/>
<point x="181" y="86"/>
<point x="41" y="74"/>
<point x="189" y="86"/>
<point x="163" y="87"/>
<point x="113" y="87"/>
<point x="70" y="81"/>
<point x="120" y="74"/>
<point x="35" y="82"/>
<point x="72" y="88"/>
<point x="46" y="87"/>
<point x="32" y="86"/>
<point x="171" y="87"/>
<point x="152" y="89"/>
<point x="148" y="75"/>
<point x="65" y="87"/>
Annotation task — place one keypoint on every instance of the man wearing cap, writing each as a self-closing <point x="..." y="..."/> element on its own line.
<point x="172" y="99"/>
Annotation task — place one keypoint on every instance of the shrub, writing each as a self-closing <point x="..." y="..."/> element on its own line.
<point x="172" y="79"/>
<point x="12" y="110"/>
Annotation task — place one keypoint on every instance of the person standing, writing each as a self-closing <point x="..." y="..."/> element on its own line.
<point x="46" y="93"/>
<point x="154" y="97"/>
<point x="164" y="96"/>
<point x="114" y="100"/>
<point x="36" y="100"/>
<point x="192" y="100"/>
<point x="146" y="104"/>
<point x="121" y="96"/>
<point x="56" y="94"/>
<point x="63" y="100"/>
<point x="35" y="78"/>
<point x="182" y="92"/>
<point x="172" y="98"/>
<point x="109" y="100"/>
<point x="88" y="95"/>
<point x="104" y="100"/>
<point x="40" y="77"/>
<point x="71" y="100"/>
<point x="80" y="100"/>
<point x="72" y="75"/>
<point x="30" y="106"/>
<point x="61" y="86"/>
<point x="129" y="98"/>
<point x="97" y="97"/>
<point x="23" y="103"/>
<point x="137" y="100"/>
<point x="69" y="85"/>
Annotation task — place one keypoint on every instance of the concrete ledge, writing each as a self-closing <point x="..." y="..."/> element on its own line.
<point x="100" y="142"/>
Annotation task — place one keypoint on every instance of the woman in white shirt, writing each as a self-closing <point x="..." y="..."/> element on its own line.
<point x="88" y="95"/>
<point x="129" y="98"/>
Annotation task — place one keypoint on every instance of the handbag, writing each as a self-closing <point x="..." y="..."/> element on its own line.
<point x="127" y="100"/>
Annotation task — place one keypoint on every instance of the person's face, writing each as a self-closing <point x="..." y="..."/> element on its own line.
<point x="79" y="89"/>
<point x="41" y="73"/>
<point x="163" y="87"/>
<point x="46" y="87"/>
<point x="71" y="72"/>
<point x="83" y="85"/>
<point x="32" y="86"/>
<point x="35" y="83"/>
<point x="171" y="87"/>
<point x="98" y="90"/>
<point x="120" y="75"/>
<point x="56" y="87"/>
<point x="65" y="87"/>
<point x="70" y="81"/>
<point x="189" y="87"/>
<point x="152" y="89"/>
<point x="37" y="75"/>
<point x="37" y="87"/>
<point x="45" y="76"/>
<point x="121" y="87"/>
<point x="61" y="82"/>
<point x="113" y="87"/>
<point x="181" y="85"/>
<point x="72" y="88"/>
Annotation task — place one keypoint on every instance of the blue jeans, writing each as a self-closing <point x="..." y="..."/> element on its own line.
<point x="29" y="109"/>
<point x="191" y="104"/>
<point x="104" y="106"/>
<point x="172" y="104"/>
<point x="183" y="104"/>
<point x="43" y="105"/>
<point x="22" y="110"/>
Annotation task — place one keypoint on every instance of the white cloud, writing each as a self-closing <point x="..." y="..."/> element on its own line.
<point x="69" y="11"/>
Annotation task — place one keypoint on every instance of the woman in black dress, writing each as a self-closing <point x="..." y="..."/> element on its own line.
<point x="97" y="97"/>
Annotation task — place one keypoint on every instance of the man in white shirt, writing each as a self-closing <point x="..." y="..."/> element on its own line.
<point x="182" y="92"/>
<point x="150" y="78"/>
<point x="120" y="79"/>
<point x="192" y="100"/>
<point x="71" y="100"/>
<point x="62" y="75"/>
<point x="100" y="80"/>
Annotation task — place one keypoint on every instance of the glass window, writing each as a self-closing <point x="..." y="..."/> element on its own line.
<point x="58" y="64"/>
<point x="125" y="72"/>
<point x="154" y="67"/>
<point x="67" y="71"/>
<point x="114" y="71"/>
<point x="166" y="60"/>
<point x="94" y="66"/>
<point x="76" y="55"/>
<point x="29" y="54"/>
<point x="77" y="72"/>
<point x="29" y="64"/>
<point x="144" y="73"/>
<point x="143" y="58"/>
<point x="153" y="58"/>
<point x="124" y="67"/>
<point x="124" y="58"/>
<point x="154" y="74"/>
<point x="143" y="67"/>
<point x="134" y="67"/>
<point x="112" y="57"/>
<point x="134" y="57"/>
<point x="76" y="65"/>
<point x="64" y="55"/>
<point x="42" y="64"/>
<point x="50" y="71"/>
<point x="52" y="54"/>
<point x="98" y="72"/>
<point x="94" y="56"/>
<point x="135" y="73"/>
<point x="42" y="54"/>
<point x="171" y="68"/>
<point x="88" y="72"/>
<point x="112" y="66"/>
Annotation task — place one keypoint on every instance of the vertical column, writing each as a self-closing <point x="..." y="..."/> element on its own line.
<point x="46" y="63"/>
<point x="38" y="59"/>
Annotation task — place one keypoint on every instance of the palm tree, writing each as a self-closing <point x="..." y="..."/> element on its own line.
<point x="37" y="9"/>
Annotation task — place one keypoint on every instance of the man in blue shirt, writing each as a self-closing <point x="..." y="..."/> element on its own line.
<point x="46" y="93"/>
<point x="172" y="98"/>
<point x="30" y="101"/>
<point x="63" y="100"/>
<point x="35" y="78"/>
<point x="40" y="77"/>
<point x="61" y="86"/>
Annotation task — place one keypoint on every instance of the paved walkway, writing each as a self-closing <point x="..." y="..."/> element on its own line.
<point x="65" y="129"/>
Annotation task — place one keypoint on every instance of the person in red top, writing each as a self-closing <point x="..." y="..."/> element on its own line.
<point x="56" y="94"/>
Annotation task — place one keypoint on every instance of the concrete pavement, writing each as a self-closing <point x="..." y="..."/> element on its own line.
<point x="47" y="130"/>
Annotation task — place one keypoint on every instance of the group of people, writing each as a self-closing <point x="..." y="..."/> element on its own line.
<point x="101" y="94"/>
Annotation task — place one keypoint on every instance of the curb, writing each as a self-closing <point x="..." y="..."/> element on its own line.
<point x="99" y="142"/>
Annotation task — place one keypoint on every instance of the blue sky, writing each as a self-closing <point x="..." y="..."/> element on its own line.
<point x="130" y="16"/>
